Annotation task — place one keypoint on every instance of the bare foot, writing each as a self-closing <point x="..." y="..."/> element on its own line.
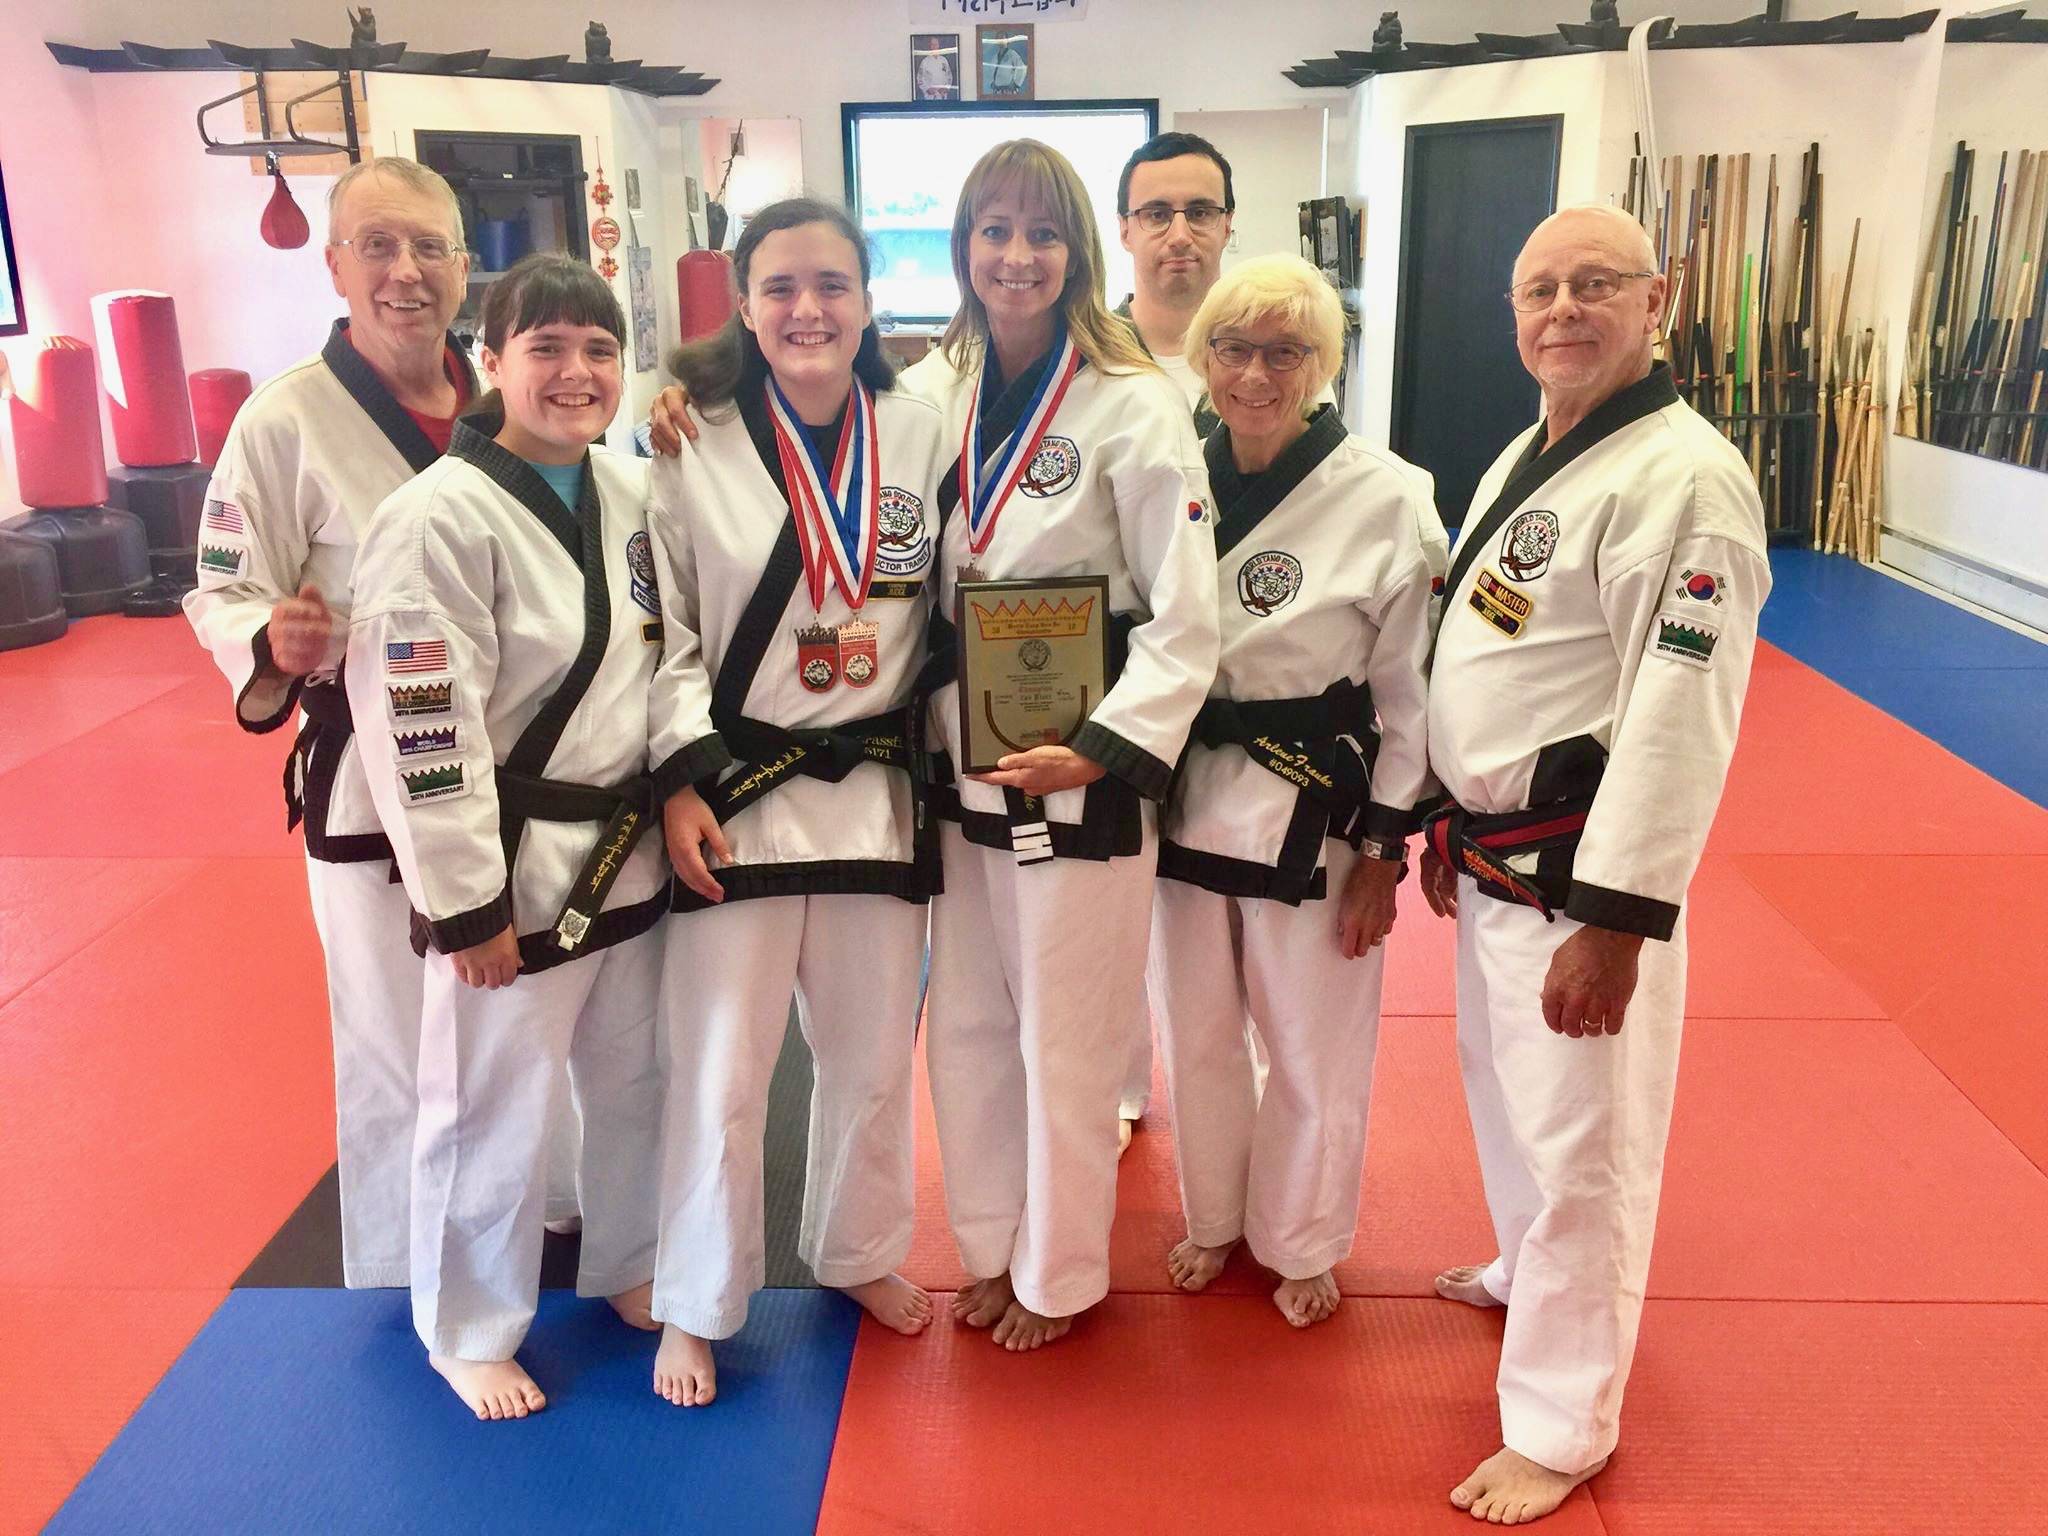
<point x="983" y="1302"/>
<point x="1193" y="1266"/>
<point x="1125" y="1130"/>
<point x="1306" y="1302"/>
<point x="894" y="1303"/>
<point x="1462" y="1283"/>
<point x="1022" y="1328"/>
<point x="636" y="1307"/>
<point x="494" y="1389"/>
<point x="1509" y="1489"/>
<point x="684" y="1371"/>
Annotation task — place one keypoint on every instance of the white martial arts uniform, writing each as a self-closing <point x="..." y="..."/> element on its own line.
<point x="500" y="656"/>
<point x="777" y="692"/>
<point x="310" y="456"/>
<point x="1594" y="651"/>
<point x="1324" y="592"/>
<point x="1037" y="972"/>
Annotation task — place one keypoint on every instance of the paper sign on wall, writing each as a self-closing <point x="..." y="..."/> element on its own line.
<point x="923" y="12"/>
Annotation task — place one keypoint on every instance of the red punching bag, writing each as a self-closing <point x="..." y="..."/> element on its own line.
<point x="217" y="393"/>
<point x="284" y="226"/>
<point x="56" y="417"/>
<point x="705" y="295"/>
<point x="144" y="365"/>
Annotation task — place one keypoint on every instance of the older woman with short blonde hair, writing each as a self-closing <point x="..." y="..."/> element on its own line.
<point x="1287" y="828"/>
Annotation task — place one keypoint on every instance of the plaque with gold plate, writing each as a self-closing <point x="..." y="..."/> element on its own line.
<point x="1034" y="661"/>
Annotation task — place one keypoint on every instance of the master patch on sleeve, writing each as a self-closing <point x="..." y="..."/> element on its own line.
<point x="412" y="701"/>
<point x="447" y="782"/>
<point x="221" y="560"/>
<point x="1687" y="640"/>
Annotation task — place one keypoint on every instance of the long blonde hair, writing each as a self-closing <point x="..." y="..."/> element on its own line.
<point x="1039" y="173"/>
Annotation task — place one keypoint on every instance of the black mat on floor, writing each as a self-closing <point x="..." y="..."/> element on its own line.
<point x="306" y="1252"/>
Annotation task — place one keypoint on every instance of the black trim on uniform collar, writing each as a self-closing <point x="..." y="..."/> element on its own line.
<point x="1623" y="408"/>
<point x="1242" y="502"/>
<point x="473" y="443"/>
<point x="379" y="404"/>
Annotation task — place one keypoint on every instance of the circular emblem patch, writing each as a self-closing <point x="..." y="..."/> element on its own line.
<point x="640" y="566"/>
<point x="1034" y="654"/>
<point x="817" y="674"/>
<point x="1268" y="581"/>
<point x="1527" y="545"/>
<point x="903" y="548"/>
<point x="1055" y="466"/>
<point x="859" y="668"/>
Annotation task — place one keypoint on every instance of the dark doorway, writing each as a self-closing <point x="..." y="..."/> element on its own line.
<point x="1471" y="194"/>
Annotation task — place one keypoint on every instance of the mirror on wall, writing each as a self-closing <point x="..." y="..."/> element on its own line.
<point x="1977" y="358"/>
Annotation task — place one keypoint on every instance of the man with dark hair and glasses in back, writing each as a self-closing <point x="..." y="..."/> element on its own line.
<point x="1174" y="204"/>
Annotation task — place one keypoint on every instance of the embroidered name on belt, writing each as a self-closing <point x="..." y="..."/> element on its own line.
<point x="1506" y="609"/>
<point x="1291" y="764"/>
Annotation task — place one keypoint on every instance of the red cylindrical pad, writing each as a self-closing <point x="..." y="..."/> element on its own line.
<point x="56" y="418"/>
<point x="705" y="295"/>
<point x="145" y="375"/>
<point x="217" y="393"/>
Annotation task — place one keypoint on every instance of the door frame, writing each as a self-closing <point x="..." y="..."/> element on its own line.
<point x="1417" y="132"/>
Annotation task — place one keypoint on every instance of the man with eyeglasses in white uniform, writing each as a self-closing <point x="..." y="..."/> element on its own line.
<point x="308" y="459"/>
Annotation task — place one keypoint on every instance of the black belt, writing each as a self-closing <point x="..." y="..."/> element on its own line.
<point x="1480" y="846"/>
<point x="1296" y="740"/>
<point x="625" y="811"/>
<point x="310" y="769"/>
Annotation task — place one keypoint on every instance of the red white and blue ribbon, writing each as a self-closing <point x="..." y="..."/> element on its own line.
<point x="986" y="480"/>
<point x="838" y="513"/>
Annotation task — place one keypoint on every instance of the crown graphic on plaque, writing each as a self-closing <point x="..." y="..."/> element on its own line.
<point x="1027" y="620"/>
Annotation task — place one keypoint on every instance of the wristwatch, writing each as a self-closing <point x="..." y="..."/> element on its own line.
<point x="1390" y="852"/>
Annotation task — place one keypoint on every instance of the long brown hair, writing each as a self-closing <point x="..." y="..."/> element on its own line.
<point x="715" y="369"/>
<point x="1040" y="174"/>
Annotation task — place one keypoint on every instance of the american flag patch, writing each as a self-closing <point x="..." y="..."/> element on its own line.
<point x="416" y="656"/>
<point x="224" y="517"/>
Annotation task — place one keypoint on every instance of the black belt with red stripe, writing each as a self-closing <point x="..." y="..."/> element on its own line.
<point x="1480" y="846"/>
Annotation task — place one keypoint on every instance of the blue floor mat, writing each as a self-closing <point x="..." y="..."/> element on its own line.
<point x="315" y="1411"/>
<point x="1977" y="688"/>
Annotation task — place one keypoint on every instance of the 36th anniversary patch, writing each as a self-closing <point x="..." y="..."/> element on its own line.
<point x="1686" y="639"/>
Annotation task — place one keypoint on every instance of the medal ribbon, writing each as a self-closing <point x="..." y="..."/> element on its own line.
<point x="838" y="515"/>
<point x="986" y="483"/>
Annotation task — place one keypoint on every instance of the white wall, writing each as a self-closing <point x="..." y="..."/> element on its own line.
<point x="1276" y="164"/>
<point x="1585" y="90"/>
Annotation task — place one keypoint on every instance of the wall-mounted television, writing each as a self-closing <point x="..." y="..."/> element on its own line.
<point x="905" y="162"/>
<point x="12" y="321"/>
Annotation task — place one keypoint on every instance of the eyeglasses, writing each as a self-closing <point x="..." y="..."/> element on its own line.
<point x="1157" y="218"/>
<point x="380" y="250"/>
<point x="1589" y="285"/>
<point x="1280" y="356"/>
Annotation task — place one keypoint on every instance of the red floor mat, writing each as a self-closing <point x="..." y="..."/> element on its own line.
<point x="1755" y="1419"/>
<point x="1951" y="947"/>
<point x="169" y="1091"/>
<point x="43" y="713"/>
<point x="1820" y="771"/>
<point x="52" y="908"/>
<point x="1165" y="1412"/>
<point x="74" y="1364"/>
<point x="114" y="646"/>
<point x="173" y="777"/>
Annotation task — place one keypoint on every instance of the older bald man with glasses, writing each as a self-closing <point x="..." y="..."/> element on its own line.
<point x="310" y="456"/>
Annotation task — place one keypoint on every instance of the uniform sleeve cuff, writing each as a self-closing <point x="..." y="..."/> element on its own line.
<point x="262" y="687"/>
<point x="1598" y="907"/>
<point x="470" y="928"/>
<point x="699" y="760"/>
<point x="1129" y="762"/>
<point x="1386" y="823"/>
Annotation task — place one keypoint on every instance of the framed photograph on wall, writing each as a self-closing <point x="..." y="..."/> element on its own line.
<point x="935" y="66"/>
<point x="1008" y="72"/>
<point x="12" y="321"/>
